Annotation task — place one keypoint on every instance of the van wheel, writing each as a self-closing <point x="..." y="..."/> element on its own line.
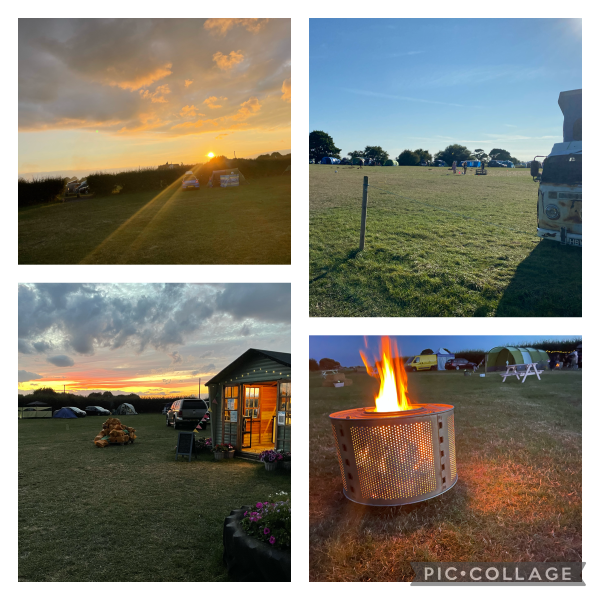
<point x="458" y="368"/>
<point x="414" y="369"/>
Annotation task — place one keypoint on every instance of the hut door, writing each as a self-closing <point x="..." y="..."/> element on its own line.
<point x="251" y="423"/>
<point x="231" y="411"/>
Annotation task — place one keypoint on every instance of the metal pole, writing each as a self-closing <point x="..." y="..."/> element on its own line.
<point x="363" y="220"/>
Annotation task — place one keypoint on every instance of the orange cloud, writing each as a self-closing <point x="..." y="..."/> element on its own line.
<point x="190" y="111"/>
<point x="252" y="105"/>
<point x="221" y="136"/>
<point x="158" y="95"/>
<point x="188" y="82"/>
<point x="222" y="26"/>
<point x="143" y="80"/>
<point x="286" y="90"/>
<point x="228" y="61"/>
<point x="212" y="102"/>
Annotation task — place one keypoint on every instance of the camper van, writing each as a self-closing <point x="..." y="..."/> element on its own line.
<point x="423" y="362"/>
<point x="559" y="192"/>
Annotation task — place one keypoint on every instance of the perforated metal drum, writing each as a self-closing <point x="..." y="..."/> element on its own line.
<point x="395" y="458"/>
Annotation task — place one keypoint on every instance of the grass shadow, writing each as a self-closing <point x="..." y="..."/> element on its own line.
<point x="337" y="264"/>
<point x="546" y="284"/>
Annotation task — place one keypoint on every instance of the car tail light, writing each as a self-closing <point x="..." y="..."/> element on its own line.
<point x="180" y="413"/>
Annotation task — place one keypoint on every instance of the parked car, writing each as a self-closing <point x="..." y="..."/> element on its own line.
<point x="190" y="181"/>
<point x="72" y="187"/>
<point x="97" y="411"/>
<point x="460" y="363"/>
<point x="82" y="188"/>
<point x="496" y="163"/>
<point x="345" y="161"/>
<point x="188" y="410"/>
<point x="78" y="412"/>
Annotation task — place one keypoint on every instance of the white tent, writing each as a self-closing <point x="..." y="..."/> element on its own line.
<point x="126" y="409"/>
<point x="443" y="356"/>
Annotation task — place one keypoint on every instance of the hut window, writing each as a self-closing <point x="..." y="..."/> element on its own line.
<point x="252" y="406"/>
<point x="231" y="401"/>
<point x="285" y="393"/>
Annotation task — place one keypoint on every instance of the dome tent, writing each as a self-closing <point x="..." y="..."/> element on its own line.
<point x="357" y="160"/>
<point x="330" y="160"/>
<point x="496" y="358"/>
<point x="126" y="409"/>
<point x="64" y="413"/>
<point x="390" y="163"/>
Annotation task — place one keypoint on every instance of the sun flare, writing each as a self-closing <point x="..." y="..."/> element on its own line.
<point x="210" y="155"/>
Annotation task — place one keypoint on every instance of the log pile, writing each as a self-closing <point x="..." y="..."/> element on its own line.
<point x="114" y="432"/>
<point x="332" y="378"/>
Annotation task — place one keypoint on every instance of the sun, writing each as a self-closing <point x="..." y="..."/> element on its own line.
<point x="210" y="155"/>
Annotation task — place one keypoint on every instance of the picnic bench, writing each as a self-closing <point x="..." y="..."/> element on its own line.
<point x="481" y="171"/>
<point x="512" y="370"/>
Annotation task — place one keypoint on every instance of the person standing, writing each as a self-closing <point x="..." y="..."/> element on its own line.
<point x="454" y="167"/>
<point x="465" y="167"/>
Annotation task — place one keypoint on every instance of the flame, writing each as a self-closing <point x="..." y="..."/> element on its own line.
<point x="392" y="377"/>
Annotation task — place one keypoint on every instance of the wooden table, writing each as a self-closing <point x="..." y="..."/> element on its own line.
<point x="512" y="370"/>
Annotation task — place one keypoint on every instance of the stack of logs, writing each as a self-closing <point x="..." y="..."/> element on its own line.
<point x="332" y="378"/>
<point x="114" y="432"/>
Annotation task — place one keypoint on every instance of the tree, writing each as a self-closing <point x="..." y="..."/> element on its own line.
<point x="356" y="154"/>
<point x="328" y="363"/>
<point x="44" y="391"/>
<point x="408" y="158"/>
<point x="313" y="365"/>
<point x="321" y="144"/>
<point x="376" y="153"/>
<point x="424" y="155"/>
<point x="107" y="395"/>
<point x="454" y="152"/>
<point x="479" y="154"/>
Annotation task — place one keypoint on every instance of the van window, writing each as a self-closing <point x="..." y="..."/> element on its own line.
<point x="190" y="404"/>
<point x="417" y="359"/>
<point x="562" y="169"/>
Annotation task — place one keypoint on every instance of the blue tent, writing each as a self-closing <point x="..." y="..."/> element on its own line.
<point x="474" y="163"/>
<point x="64" y="413"/>
<point x="329" y="160"/>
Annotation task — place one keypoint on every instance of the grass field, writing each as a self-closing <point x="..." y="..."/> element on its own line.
<point x="518" y="496"/>
<point x="423" y="261"/>
<point x="126" y="513"/>
<point x="245" y="225"/>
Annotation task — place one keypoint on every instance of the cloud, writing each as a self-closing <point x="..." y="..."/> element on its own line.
<point x="221" y="136"/>
<point x="60" y="360"/>
<point x="222" y="26"/>
<point x="190" y="111"/>
<point x="225" y="62"/>
<point x="252" y="105"/>
<point x="142" y="80"/>
<point x="260" y="301"/>
<point x="286" y="90"/>
<point x="175" y="358"/>
<point x="406" y="98"/>
<point x="204" y="370"/>
<point x="211" y="102"/>
<point x="158" y="95"/>
<point x="188" y="82"/>
<point x="28" y="376"/>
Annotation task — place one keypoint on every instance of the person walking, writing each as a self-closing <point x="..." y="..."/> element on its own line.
<point x="454" y="167"/>
<point x="465" y="167"/>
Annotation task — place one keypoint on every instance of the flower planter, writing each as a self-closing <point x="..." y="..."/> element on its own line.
<point x="270" y="466"/>
<point x="229" y="454"/>
<point x="249" y="559"/>
<point x="287" y="465"/>
<point x="218" y="455"/>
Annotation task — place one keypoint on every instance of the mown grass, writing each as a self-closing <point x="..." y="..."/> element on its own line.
<point x="518" y="495"/>
<point x="126" y="513"/>
<point x="423" y="261"/>
<point x="245" y="225"/>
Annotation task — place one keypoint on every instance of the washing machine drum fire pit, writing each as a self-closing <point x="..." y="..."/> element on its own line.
<point x="395" y="458"/>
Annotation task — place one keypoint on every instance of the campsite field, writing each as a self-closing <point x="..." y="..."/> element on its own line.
<point x="518" y="495"/>
<point x="421" y="258"/>
<point x="126" y="513"/>
<point x="249" y="224"/>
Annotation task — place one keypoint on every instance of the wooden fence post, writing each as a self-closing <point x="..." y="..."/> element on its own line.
<point x="363" y="220"/>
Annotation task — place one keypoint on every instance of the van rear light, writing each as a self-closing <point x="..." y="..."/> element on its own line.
<point x="180" y="413"/>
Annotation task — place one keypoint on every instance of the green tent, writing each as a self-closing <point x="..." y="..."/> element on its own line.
<point x="496" y="358"/>
<point x="391" y="163"/>
<point x="357" y="160"/>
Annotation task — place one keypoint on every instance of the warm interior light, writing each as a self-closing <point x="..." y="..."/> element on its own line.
<point x="392" y="378"/>
<point x="210" y="155"/>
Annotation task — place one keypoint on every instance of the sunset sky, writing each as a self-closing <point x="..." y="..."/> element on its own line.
<point x="149" y="339"/>
<point x="123" y="93"/>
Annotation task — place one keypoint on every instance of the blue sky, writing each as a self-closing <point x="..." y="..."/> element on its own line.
<point x="428" y="83"/>
<point x="345" y="349"/>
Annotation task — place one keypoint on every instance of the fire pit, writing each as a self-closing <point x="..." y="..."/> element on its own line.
<point x="396" y="452"/>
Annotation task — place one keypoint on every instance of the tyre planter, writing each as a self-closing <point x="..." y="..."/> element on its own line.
<point x="218" y="455"/>
<point x="249" y="559"/>
<point x="270" y="466"/>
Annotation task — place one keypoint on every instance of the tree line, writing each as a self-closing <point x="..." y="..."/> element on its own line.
<point x="321" y="144"/>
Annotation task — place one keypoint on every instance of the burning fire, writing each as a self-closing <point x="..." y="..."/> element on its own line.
<point x="392" y="377"/>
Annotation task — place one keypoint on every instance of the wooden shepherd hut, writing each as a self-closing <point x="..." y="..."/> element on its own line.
<point x="250" y="403"/>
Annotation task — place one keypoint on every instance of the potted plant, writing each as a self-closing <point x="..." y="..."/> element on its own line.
<point x="286" y="463"/>
<point x="270" y="458"/>
<point x="230" y="451"/>
<point x="219" y="451"/>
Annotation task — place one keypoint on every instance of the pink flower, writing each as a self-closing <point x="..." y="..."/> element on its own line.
<point x="266" y="531"/>
<point x="246" y="514"/>
<point x="272" y="539"/>
<point x="259" y="505"/>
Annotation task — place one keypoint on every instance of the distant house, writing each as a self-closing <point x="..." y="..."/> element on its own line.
<point x="169" y="166"/>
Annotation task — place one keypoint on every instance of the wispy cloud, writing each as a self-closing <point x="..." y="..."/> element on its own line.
<point x="479" y="75"/>
<point x="405" y="98"/>
<point x="506" y="125"/>
<point x="410" y="53"/>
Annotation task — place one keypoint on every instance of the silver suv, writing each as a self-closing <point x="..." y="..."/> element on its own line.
<point x="188" y="410"/>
